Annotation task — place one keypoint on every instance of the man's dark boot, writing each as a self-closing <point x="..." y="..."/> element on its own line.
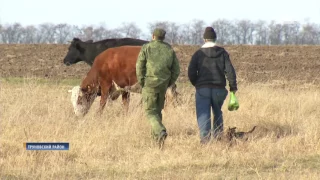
<point x="162" y="137"/>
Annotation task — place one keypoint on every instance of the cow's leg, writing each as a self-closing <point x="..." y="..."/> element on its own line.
<point x="126" y="100"/>
<point x="105" y="87"/>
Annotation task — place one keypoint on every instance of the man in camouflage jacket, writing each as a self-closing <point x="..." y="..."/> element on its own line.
<point x="157" y="68"/>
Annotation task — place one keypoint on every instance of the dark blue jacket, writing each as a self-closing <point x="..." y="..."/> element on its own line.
<point x="210" y="66"/>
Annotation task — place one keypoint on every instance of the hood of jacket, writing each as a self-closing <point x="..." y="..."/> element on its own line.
<point x="211" y="50"/>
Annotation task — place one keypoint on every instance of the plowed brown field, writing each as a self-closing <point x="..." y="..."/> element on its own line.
<point x="118" y="145"/>
<point x="253" y="63"/>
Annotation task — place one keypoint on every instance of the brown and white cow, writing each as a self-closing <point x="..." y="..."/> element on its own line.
<point x="112" y="74"/>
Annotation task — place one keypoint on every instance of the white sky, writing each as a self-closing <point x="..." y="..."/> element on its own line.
<point x="113" y="12"/>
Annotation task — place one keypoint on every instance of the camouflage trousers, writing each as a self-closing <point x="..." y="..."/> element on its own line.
<point x="153" y="103"/>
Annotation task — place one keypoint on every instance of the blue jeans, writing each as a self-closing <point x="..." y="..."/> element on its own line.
<point x="207" y="98"/>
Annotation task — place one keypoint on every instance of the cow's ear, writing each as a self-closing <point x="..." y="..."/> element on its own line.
<point x="84" y="89"/>
<point x="78" y="46"/>
<point x="88" y="88"/>
<point x="76" y="39"/>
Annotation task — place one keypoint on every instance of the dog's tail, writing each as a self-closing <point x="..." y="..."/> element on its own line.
<point x="254" y="127"/>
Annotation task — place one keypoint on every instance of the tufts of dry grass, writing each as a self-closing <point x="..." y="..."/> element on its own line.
<point x="285" y="144"/>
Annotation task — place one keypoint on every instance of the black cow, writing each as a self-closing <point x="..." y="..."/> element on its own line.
<point x="87" y="50"/>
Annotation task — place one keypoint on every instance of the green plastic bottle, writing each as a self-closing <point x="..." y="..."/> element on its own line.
<point x="233" y="102"/>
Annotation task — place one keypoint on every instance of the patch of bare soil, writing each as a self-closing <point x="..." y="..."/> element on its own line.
<point x="252" y="63"/>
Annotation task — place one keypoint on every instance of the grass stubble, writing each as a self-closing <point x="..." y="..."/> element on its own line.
<point x="285" y="144"/>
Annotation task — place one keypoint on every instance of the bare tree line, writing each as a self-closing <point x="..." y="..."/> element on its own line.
<point x="228" y="32"/>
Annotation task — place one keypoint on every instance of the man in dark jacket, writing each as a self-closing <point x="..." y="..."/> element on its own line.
<point x="207" y="70"/>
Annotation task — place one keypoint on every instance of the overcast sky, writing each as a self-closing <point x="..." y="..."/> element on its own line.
<point x="113" y="12"/>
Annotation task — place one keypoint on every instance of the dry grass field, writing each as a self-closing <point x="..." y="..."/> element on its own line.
<point x="285" y="109"/>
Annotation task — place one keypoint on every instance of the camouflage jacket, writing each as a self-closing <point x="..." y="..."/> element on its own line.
<point x="157" y="65"/>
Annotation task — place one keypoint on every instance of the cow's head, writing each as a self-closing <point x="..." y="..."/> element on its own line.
<point x="76" y="51"/>
<point x="82" y="99"/>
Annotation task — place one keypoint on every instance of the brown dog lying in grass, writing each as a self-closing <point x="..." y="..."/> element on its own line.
<point x="229" y="136"/>
<point x="231" y="133"/>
